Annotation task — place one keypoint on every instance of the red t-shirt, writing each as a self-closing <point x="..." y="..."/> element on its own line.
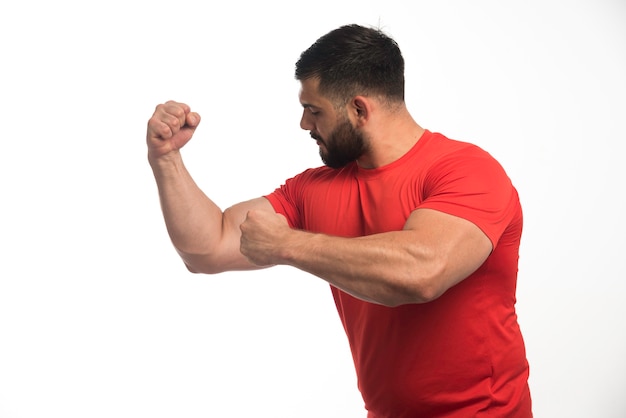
<point x="461" y="355"/>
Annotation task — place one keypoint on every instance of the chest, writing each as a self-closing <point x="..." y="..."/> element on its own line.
<point x="354" y="206"/>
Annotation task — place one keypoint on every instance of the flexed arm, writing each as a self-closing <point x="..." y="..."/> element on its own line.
<point x="418" y="264"/>
<point x="206" y="238"/>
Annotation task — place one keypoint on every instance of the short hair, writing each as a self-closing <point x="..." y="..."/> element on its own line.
<point x="354" y="60"/>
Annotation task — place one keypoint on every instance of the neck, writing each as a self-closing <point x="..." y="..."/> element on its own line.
<point x="389" y="139"/>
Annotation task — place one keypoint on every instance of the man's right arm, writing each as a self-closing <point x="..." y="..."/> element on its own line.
<point x="207" y="239"/>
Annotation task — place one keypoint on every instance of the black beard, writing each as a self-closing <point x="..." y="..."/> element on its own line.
<point x="344" y="145"/>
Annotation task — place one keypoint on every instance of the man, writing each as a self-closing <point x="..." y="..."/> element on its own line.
<point x="418" y="235"/>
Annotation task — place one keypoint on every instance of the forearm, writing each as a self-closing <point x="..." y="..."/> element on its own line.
<point x="389" y="269"/>
<point x="193" y="221"/>
<point x="433" y="252"/>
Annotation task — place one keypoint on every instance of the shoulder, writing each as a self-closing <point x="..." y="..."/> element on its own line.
<point x="440" y="154"/>
<point x="439" y="145"/>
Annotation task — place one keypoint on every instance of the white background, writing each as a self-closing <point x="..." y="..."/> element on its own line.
<point x="99" y="318"/>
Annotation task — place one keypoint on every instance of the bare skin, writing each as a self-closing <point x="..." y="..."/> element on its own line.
<point x="433" y="252"/>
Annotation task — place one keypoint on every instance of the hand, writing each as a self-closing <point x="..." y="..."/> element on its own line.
<point x="171" y="126"/>
<point x="263" y="236"/>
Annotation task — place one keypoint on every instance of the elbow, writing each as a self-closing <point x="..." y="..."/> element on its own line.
<point x="214" y="263"/>
<point x="428" y="292"/>
<point x="190" y="268"/>
<point x="406" y="295"/>
<point x="193" y="269"/>
<point x="200" y="264"/>
<point x="431" y="284"/>
<point x="411" y="295"/>
<point x="202" y="268"/>
<point x="425" y="287"/>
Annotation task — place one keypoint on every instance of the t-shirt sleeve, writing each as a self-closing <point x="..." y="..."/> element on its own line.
<point x="285" y="200"/>
<point x="472" y="185"/>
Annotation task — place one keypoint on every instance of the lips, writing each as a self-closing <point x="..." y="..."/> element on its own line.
<point x="317" y="138"/>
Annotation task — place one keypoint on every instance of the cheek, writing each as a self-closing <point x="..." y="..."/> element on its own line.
<point x="324" y="129"/>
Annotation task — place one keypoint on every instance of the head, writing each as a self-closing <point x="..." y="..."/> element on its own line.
<point x="347" y="64"/>
<point x="354" y="60"/>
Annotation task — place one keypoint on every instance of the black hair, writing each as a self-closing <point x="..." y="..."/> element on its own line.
<point x="354" y="60"/>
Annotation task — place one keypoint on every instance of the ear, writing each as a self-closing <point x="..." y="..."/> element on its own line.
<point x="361" y="110"/>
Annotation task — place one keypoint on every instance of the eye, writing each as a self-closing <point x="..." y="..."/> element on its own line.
<point x="311" y="110"/>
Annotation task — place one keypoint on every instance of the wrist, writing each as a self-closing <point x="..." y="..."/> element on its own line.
<point x="299" y="246"/>
<point x="166" y="166"/>
<point x="163" y="161"/>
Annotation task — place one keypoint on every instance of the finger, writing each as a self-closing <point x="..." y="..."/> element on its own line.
<point x="171" y="110"/>
<point x="159" y="129"/>
<point x="192" y="120"/>
<point x="176" y="114"/>
<point x="183" y="106"/>
<point x="169" y="118"/>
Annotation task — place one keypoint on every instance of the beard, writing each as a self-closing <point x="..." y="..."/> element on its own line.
<point x="344" y="145"/>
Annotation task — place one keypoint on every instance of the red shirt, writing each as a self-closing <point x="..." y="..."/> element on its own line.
<point x="461" y="355"/>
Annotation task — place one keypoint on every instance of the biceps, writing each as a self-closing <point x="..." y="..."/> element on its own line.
<point x="236" y="214"/>
<point x="226" y="256"/>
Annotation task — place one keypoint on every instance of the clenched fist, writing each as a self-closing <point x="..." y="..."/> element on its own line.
<point x="263" y="237"/>
<point x="171" y="126"/>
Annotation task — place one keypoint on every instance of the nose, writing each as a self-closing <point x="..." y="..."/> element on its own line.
<point x="305" y="121"/>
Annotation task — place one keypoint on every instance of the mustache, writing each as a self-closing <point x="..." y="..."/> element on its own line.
<point x="316" y="136"/>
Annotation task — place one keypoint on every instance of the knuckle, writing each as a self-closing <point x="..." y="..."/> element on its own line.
<point x="165" y="130"/>
<point x="174" y="122"/>
<point x="153" y="124"/>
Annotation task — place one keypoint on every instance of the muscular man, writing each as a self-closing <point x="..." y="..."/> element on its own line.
<point x="418" y="235"/>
